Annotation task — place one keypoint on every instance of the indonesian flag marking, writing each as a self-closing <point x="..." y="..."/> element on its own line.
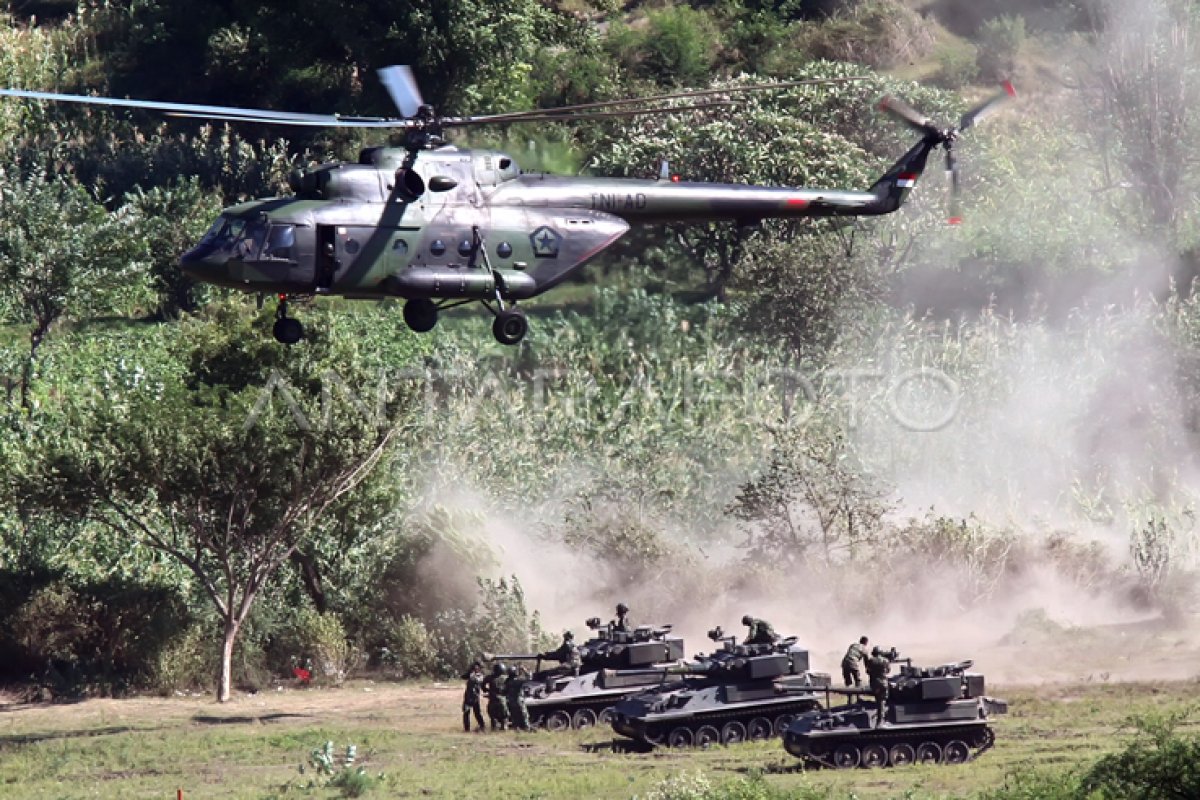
<point x="906" y="180"/>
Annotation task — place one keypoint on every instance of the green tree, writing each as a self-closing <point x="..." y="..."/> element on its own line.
<point x="193" y="462"/>
<point x="62" y="254"/>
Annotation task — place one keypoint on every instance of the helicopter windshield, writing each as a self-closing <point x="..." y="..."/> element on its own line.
<point x="251" y="240"/>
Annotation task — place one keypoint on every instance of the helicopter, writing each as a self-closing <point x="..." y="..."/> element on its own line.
<point x="440" y="226"/>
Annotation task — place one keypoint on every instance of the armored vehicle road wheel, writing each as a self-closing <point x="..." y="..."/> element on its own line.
<point x="558" y="721"/>
<point x="707" y="736"/>
<point x="583" y="718"/>
<point x="874" y="756"/>
<point x="846" y="756"/>
<point x="606" y="716"/>
<point x="956" y="752"/>
<point x="758" y="729"/>
<point x="733" y="733"/>
<point x="929" y="753"/>
<point x="901" y="755"/>
<point x="782" y="722"/>
<point x="681" y="737"/>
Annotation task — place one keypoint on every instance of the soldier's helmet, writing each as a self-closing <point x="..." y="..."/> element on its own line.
<point x="622" y="608"/>
<point x="568" y="636"/>
<point x="875" y="650"/>
<point x="497" y="669"/>
<point x="476" y="665"/>
<point x="746" y="620"/>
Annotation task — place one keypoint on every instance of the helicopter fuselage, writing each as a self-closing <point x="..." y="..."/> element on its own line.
<point x="457" y="223"/>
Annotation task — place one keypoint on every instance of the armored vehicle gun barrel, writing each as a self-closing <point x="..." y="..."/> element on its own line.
<point x="511" y="657"/>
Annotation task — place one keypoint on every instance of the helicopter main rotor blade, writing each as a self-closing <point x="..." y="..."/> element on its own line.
<point x="985" y="108"/>
<point x="181" y="109"/>
<point x="903" y="111"/>
<point x="402" y="86"/>
<point x="553" y="115"/>
<point x="760" y="87"/>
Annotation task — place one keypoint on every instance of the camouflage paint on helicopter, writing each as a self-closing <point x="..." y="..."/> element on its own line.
<point x="441" y="226"/>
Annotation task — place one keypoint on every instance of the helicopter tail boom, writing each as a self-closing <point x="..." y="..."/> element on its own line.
<point x="892" y="189"/>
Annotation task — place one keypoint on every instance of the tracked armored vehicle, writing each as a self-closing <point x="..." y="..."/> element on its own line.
<point x="726" y="697"/>
<point x="613" y="665"/>
<point x="937" y="715"/>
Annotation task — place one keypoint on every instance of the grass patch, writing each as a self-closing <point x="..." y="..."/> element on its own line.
<point x="409" y="744"/>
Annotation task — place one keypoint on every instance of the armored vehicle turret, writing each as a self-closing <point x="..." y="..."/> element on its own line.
<point x="725" y="697"/>
<point x="937" y="715"/>
<point x="613" y="665"/>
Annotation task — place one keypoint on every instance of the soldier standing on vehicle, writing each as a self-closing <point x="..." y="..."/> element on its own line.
<point x="760" y="632"/>
<point x="566" y="654"/>
<point x="497" y="708"/>
<point x="878" y="666"/>
<point x="851" y="662"/>
<point x="471" y="695"/>
<point x="622" y="623"/>
<point x="518" y="713"/>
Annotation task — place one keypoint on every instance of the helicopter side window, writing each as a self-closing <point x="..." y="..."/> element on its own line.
<point x="280" y="240"/>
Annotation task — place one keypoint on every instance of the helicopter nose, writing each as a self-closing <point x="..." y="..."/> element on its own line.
<point x="205" y="263"/>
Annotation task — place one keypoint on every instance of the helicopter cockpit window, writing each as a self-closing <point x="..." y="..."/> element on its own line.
<point x="280" y="240"/>
<point x="224" y="232"/>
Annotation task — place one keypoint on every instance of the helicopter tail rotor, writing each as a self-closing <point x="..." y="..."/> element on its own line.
<point x="946" y="137"/>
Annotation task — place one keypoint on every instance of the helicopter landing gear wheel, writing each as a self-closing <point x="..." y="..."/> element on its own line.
<point x="846" y="756"/>
<point x="510" y="326"/>
<point x="420" y="314"/>
<point x="286" y="330"/>
<point x="681" y="737"/>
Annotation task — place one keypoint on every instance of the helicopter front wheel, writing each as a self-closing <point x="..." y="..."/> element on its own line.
<point x="510" y="326"/>
<point x="286" y="329"/>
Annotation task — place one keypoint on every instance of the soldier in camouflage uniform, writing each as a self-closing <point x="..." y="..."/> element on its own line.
<point x="566" y="654"/>
<point x="518" y="713"/>
<point x="878" y="666"/>
<point x="497" y="707"/>
<point x="852" y="661"/>
<point x="471" y="695"/>
<point x="760" y="632"/>
<point x="622" y="623"/>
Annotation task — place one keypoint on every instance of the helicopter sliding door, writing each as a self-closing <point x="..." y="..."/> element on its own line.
<point x="327" y="259"/>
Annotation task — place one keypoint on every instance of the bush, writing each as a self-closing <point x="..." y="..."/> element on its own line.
<point x="314" y="641"/>
<point x="410" y="650"/>
<point x="1000" y="42"/>
<point x="1159" y="762"/>
<point x="187" y="663"/>
<point x="957" y="65"/>
<point x="880" y="33"/>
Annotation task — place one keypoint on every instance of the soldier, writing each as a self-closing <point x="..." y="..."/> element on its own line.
<point x="471" y="694"/>
<point x="566" y="654"/>
<point x="497" y="708"/>
<point x="621" y="623"/>
<point x="761" y="631"/>
<point x="518" y="713"/>
<point x="852" y="661"/>
<point x="877" y="672"/>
